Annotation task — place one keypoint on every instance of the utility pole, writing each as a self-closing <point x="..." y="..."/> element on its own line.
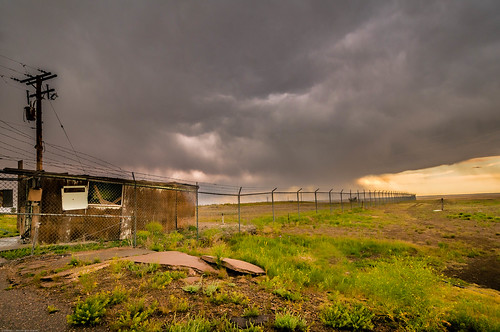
<point x="36" y="82"/>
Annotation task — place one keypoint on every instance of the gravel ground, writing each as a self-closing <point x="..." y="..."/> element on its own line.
<point x="26" y="309"/>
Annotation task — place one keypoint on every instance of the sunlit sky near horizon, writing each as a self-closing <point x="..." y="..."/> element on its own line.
<point x="479" y="175"/>
<point x="390" y="95"/>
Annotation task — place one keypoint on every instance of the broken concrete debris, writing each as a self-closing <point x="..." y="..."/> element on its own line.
<point x="174" y="259"/>
<point x="236" y="265"/>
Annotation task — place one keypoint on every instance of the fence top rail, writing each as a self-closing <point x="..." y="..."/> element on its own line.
<point x="400" y="194"/>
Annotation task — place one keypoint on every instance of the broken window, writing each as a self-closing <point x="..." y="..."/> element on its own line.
<point x="6" y="198"/>
<point x="103" y="193"/>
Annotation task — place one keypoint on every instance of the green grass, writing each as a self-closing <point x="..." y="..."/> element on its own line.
<point x="406" y="290"/>
<point x="401" y="281"/>
<point x="352" y="218"/>
<point x="302" y="261"/>
<point x="476" y="216"/>
<point x="8" y="226"/>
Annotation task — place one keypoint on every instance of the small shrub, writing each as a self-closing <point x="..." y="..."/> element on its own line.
<point x="220" y="251"/>
<point x="251" y="312"/>
<point x="197" y="324"/>
<point x="253" y="328"/>
<point x="173" y="240"/>
<point x="136" y="317"/>
<point x="160" y="280"/>
<point x="287" y="295"/>
<point x="238" y="298"/>
<point x="90" y="311"/>
<point x="141" y="270"/>
<point x="211" y="289"/>
<point x="142" y="236"/>
<point x="118" y="266"/>
<point x="118" y="295"/>
<point x="192" y="289"/>
<point x="220" y="298"/>
<point x="156" y="246"/>
<point x="342" y="317"/>
<point x="87" y="282"/>
<point x="179" y="304"/>
<point x="75" y="262"/>
<point x="154" y="228"/>
<point x="51" y="309"/>
<point x="287" y="321"/>
<point x="176" y="275"/>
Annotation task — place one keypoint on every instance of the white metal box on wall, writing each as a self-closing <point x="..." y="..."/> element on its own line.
<point x="74" y="197"/>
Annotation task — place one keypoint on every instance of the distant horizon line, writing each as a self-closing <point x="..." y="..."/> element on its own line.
<point x="472" y="195"/>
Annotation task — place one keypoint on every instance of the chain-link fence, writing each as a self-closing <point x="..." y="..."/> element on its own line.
<point x="60" y="208"/>
<point x="242" y="206"/>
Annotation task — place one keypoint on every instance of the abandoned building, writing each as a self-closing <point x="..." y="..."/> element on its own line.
<point x="59" y="207"/>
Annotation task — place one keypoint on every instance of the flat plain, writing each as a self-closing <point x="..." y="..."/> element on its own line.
<point x="402" y="266"/>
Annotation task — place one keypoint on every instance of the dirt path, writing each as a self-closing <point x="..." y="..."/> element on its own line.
<point x="26" y="307"/>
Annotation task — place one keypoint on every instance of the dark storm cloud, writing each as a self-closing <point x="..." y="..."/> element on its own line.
<point x="292" y="93"/>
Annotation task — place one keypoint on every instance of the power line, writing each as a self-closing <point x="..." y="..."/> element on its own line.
<point x="16" y="139"/>
<point x="16" y="71"/>
<point x="65" y="133"/>
<point x="14" y="130"/>
<point x="18" y="62"/>
<point x="7" y="83"/>
<point x="96" y="160"/>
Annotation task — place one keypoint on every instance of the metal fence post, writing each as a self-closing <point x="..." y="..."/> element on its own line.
<point x="330" y="199"/>
<point x="197" y="227"/>
<point x="135" y="210"/>
<point x="350" y="198"/>
<point x="341" y="200"/>
<point x="239" y="210"/>
<point x="316" y="199"/>
<point x="298" y="202"/>
<point x="272" y="201"/>
<point x="176" y="225"/>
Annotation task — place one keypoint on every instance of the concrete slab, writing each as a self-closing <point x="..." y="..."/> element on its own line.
<point x="106" y="254"/>
<point x="236" y="265"/>
<point x="175" y="259"/>
<point x="10" y="243"/>
<point x="70" y="275"/>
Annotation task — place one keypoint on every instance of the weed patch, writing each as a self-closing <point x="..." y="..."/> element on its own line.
<point x="287" y="321"/>
<point x="90" y="311"/>
<point x="136" y="317"/>
<point x="406" y="290"/>
<point x="341" y="316"/>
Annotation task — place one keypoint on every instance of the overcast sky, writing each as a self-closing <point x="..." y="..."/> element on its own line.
<point x="260" y="93"/>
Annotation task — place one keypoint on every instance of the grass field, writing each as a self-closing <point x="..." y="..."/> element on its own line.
<point x="399" y="267"/>
<point x="8" y="226"/>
